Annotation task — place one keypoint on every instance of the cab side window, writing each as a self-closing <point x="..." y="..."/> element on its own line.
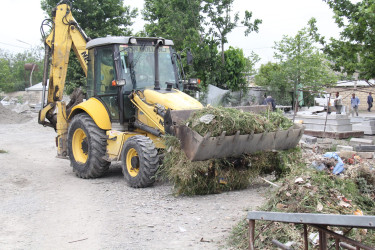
<point x="105" y="71"/>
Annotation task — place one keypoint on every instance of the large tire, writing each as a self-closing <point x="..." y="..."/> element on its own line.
<point x="140" y="161"/>
<point x="86" y="147"/>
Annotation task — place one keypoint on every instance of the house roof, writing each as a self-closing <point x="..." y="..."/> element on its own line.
<point x="360" y="83"/>
<point x="37" y="87"/>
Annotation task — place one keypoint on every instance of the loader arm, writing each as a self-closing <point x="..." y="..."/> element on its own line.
<point x="65" y="35"/>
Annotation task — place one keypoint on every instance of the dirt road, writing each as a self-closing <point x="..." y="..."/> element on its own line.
<point x="44" y="206"/>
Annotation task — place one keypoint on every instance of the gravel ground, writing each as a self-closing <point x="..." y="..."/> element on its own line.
<point x="44" y="206"/>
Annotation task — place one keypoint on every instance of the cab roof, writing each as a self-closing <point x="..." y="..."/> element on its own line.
<point x="125" y="40"/>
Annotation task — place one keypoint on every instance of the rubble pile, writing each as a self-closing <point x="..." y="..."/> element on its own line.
<point x="314" y="187"/>
<point x="8" y="116"/>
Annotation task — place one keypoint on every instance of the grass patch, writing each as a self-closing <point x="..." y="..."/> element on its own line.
<point x="2" y="151"/>
<point x="320" y="192"/>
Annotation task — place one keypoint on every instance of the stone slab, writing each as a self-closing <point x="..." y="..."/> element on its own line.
<point x="346" y="154"/>
<point x="369" y="123"/>
<point x="322" y="120"/>
<point x="366" y="155"/>
<point x="309" y="139"/>
<point x="356" y="119"/>
<point x="365" y="148"/>
<point x="334" y="135"/>
<point x="344" y="148"/>
<point x="329" y="127"/>
<point x="360" y="141"/>
<point x="368" y="130"/>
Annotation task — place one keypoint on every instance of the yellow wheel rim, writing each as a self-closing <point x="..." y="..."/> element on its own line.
<point x="132" y="167"/>
<point x="80" y="146"/>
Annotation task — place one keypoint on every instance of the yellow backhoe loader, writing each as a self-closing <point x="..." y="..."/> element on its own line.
<point x="134" y="96"/>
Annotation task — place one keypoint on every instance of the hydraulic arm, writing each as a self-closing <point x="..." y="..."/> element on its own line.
<point x="65" y="35"/>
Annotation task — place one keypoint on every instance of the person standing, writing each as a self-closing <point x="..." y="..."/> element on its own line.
<point x="264" y="99"/>
<point x="338" y="103"/>
<point x="271" y="102"/>
<point x="370" y="100"/>
<point x="354" y="101"/>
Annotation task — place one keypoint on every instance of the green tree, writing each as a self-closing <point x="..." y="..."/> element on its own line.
<point x="184" y="22"/>
<point x="13" y="76"/>
<point x="355" y="49"/>
<point x="179" y="20"/>
<point x="236" y="67"/>
<point x="98" y="18"/>
<point x="220" y="23"/>
<point x="271" y="76"/>
<point x="301" y="65"/>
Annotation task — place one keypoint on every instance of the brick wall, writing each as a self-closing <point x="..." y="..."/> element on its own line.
<point x="346" y="94"/>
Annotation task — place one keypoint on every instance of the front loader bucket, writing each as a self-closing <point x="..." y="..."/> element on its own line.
<point x="198" y="148"/>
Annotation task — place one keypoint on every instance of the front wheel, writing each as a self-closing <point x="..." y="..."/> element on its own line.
<point x="140" y="161"/>
<point x="87" y="147"/>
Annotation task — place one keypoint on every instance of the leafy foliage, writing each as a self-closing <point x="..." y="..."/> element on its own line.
<point x="271" y="75"/>
<point x="355" y="49"/>
<point x="13" y="76"/>
<point x="215" y="175"/>
<point x="193" y="24"/>
<point x="301" y="65"/>
<point x="219" y="13"/>
<point x="232" y="75"/>
<point x="98" y="18"/>
<point x="232" y="120"/>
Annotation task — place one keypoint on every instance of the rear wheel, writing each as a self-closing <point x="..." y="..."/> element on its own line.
<point x="87" y="146"/>
<point x="140" y="161"/>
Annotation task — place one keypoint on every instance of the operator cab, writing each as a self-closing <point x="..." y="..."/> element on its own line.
<point x="119" y="65"/>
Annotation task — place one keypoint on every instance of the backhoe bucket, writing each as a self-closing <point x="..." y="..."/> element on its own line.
<point x="199" y="148"/>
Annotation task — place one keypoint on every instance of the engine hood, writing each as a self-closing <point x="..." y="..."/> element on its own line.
<point x="174" y="99"/>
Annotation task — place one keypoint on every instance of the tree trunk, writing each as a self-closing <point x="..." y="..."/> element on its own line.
<point x="222" y="51"/>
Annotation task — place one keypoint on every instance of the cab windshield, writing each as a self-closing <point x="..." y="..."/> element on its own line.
<point x="138" y="66"/>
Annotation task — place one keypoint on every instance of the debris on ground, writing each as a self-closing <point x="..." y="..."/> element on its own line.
<point x="8" y="116"/>
<point x="311" y="187"/>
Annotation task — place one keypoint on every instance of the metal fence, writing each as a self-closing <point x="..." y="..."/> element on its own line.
<point x="317" y="221"/>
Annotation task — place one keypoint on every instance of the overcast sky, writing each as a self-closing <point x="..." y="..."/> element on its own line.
<point x="20" y="22"/>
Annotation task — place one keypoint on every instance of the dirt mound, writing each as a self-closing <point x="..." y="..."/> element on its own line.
<point x="7" y="116"/>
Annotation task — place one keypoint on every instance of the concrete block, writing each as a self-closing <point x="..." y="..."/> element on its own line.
<point x="309" y="139"/>
<point x="356" y="119"/>
<point x="364" y="148"/>
<point x="366" y="155"/>
<point x="360" y="141"/>
<point x="368" y="130"/>
<point x="347" y="154"/>
<point x="368" y="126"/>
<point x="329" y="127"/>
<point x="344" y="148"/>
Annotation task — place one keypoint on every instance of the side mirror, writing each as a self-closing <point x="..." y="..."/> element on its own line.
<point x="118" y="83"/>
<point x="189" y="57"/>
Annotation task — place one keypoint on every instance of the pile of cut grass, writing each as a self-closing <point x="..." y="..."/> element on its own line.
<point x="215" y="175"/>
<point x="232" y="120"/>
<point x="220" y="175"/>
<point x="318" y="193"/>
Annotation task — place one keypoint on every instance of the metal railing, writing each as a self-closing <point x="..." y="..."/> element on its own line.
<point x="318" y="221"/>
